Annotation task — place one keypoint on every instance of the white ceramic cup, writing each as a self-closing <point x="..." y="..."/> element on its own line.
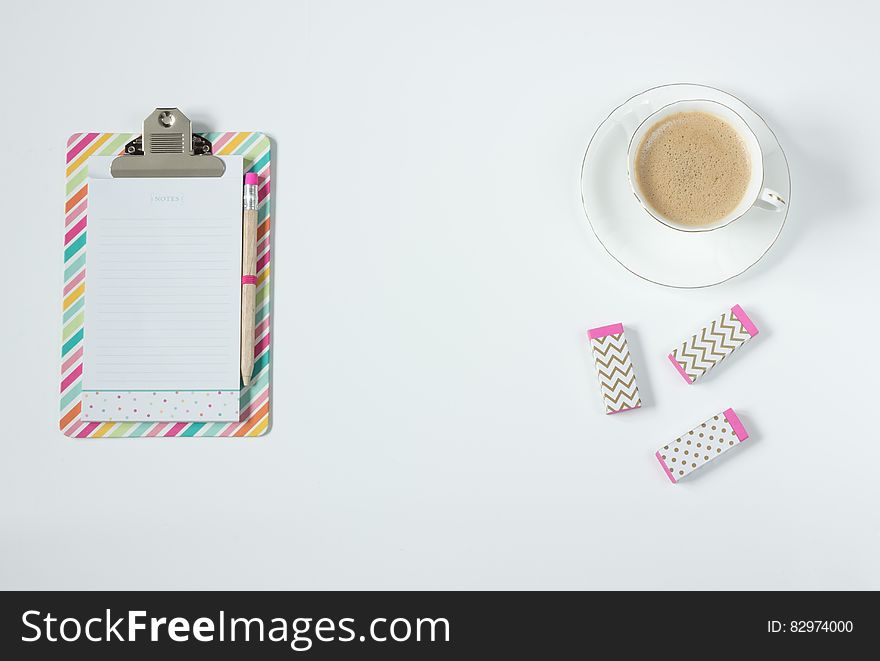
<point x="756" y="193"/>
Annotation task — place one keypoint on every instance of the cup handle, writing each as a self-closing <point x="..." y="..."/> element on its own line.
<point x="632" y="117"/>
<point x="771" y="200"/>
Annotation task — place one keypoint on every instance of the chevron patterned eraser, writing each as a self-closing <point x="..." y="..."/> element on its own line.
<point x="712" y="343"/>
<point x="617" y="379"/>
<point x="701" y="445"/>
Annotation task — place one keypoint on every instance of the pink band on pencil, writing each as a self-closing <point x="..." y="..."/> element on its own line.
<point x="248" y="279"/>
<point x="680" y="369"/>
<point x="736" y="425"/>
<point x="604" y="331"/>
<point x="740" y="314"/>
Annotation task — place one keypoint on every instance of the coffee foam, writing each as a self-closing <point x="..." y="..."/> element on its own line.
<point x="692" y="168"/>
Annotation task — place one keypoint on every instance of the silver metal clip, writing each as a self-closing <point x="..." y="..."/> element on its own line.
<point x="168" y="148"/>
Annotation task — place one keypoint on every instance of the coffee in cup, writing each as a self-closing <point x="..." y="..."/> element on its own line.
<point x="692" y="168"/>
<point x="696" y="165"/>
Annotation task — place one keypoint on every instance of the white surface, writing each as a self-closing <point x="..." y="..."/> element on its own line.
<point x="650" y="248"/>
<point x="164" y="270"/>
<point x="437" y="418"/>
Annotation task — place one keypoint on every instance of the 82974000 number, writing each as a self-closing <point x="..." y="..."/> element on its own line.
<point x="825" y="626"/>
<point x="810" y="626"/>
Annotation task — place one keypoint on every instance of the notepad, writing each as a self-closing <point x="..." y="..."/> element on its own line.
<point x="163" y="304"/>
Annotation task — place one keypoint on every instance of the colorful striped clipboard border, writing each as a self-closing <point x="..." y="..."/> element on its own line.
<point x="255" y="400"/>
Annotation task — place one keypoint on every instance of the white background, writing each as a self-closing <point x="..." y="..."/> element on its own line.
<point x="437" y="421"/>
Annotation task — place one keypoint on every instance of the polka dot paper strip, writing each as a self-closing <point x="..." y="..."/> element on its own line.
<point x="700" y="445"/>
<point x="165" y="406"/>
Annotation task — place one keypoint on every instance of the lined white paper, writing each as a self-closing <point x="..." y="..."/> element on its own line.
<point x="163" y="294"/>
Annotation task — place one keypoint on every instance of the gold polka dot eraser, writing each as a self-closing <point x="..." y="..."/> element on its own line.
<point x="701" y="445"/>
<point x="712" y="343"/>
<point x="617" y="379"/>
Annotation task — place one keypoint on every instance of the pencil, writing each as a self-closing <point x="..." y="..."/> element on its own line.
<point x="248" y="276"/>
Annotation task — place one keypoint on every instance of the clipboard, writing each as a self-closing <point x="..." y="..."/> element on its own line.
<point x="167" y="147"/>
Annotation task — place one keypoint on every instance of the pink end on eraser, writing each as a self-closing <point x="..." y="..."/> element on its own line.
<point x="625" y="408"/>
<point x="665" y="467"/>
<point x="743" y="318"/>
<point x="680" y="369"/>
<point x="735" y="424"/>
<point x="604" y="331"/>
<point x="251" y="179"/>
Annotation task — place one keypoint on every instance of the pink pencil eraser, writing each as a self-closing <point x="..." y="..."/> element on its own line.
<point x="712" y="343"/>
<point x="251" y="179"/>
<point x="617" y="379"/>
<point x="700" y="445"/>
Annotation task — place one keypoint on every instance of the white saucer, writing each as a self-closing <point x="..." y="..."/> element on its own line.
<point x="650" y="249"/>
